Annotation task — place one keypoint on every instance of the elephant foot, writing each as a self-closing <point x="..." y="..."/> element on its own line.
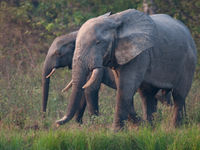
<point x="61" y="121"/>
<point x="176" y="121"/>
<point x="79" y="121"/>
<point x="43" y="115"/>
<point x="116" y="128"/>
<point x="134" y="119"/>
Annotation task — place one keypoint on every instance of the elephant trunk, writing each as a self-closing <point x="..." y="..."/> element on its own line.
<point x="47" y="69"/>
<point x="72" y="106"/>
<point x="78" y="80"/>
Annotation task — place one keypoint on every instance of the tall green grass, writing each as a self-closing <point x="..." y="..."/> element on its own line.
<point x="144" y="138"/>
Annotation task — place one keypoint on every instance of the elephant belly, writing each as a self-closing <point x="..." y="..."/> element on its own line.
<point x="165" y="69"/>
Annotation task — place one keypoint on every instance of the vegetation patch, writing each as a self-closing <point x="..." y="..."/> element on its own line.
<point x="144" y="138"/>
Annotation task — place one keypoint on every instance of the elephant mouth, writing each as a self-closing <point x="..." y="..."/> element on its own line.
<point x="52" y="71"/>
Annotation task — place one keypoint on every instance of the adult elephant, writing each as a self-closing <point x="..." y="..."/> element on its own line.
<point x="60" y="55"/>
<point x="152" y="52"/>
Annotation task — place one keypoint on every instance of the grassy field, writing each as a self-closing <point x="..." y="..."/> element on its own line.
<point x="22" y="125"/>
<point x="143" y="138"/>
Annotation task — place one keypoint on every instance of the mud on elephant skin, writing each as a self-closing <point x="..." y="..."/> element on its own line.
<point x="60" y="55"/>
<point x="154" y="51"/>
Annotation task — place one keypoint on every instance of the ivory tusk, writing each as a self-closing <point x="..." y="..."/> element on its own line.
<point x="53" y="70"/>
<point x="93" y="77"/>
<point x="67" y="87"/>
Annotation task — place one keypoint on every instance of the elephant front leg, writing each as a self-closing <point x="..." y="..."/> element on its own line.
<point x="124" y="109"/>
<point x="128" y="79"/>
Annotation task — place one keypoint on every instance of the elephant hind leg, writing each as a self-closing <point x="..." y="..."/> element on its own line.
<point x="179" y="105"/>
<point x="149" y="102"/>
<point x="124" y="109"/>
<point x="179" y="94"/>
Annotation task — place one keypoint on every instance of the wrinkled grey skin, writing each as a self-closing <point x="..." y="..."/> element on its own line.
<point x="151" y="52"/>
<point x="60" y="55"/>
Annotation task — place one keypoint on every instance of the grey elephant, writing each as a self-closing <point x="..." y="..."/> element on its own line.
<point x="60" y="55"/>
<point x="151" y="52"/>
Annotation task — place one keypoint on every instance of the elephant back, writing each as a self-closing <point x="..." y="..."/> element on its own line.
<point x="172" y="36"/>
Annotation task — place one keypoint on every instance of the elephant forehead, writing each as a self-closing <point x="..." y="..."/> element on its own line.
<point x="90" y="28"/>
<point x="56" y="45"/>
<point x="62" y="40"/>
<point x="65" y="39"/>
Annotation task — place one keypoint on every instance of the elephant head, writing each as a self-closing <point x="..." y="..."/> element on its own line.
<point x="108" y="40"/>
<point x="59" y="55"/>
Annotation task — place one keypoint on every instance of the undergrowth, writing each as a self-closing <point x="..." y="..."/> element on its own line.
<point x="143" y="138"/>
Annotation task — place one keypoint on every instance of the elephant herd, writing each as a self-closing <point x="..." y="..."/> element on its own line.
<point x="128" y="51"/>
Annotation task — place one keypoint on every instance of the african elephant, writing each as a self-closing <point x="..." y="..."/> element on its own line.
<point x="60" y="55"/>
<point x="151" y="52"/>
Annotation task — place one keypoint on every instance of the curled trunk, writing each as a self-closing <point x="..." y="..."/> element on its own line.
<point x="78" y="78"/>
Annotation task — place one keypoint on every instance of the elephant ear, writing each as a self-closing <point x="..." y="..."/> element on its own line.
<point x="135" y="35"/>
